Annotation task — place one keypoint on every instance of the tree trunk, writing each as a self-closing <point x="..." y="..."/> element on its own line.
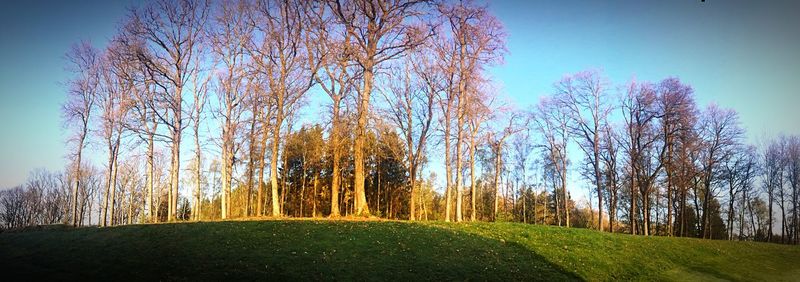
<point x="130" y="205"/>
<point x="557" y="196"/>
<point x="783" y="220"/>
<point x="741" y="216"/>
<point x="612" y="207"/>
<point x="769" y="218"/>
<point x="227" y="166"/>
<point x="458" y="194"/>
<point x="251" y="167"/>
<point x="497" y="163"/>
<point x="176" y="167"/>
<point x="285" y="177"/>
<point x="273" y="175"/>
<point x="472" y="179"/>
<point x="413" y="199"/>
<point x="177" y="127"/>
<point x="447" y="167"/>
<point x="150" y="180"/>
<point x="261" y="166"/>
<point x="706" y="200"/>
<point x="632" y="213"/>
<point x="524" y="205"/>
<point x="113" y="184"/>
<point x="564" y="184"/>
<point x="646" y="212"/>
<point x="104" y="217"/>
<point x="597" y="178"/>
<point x="335" y="174"/>
<point x="669" y="193"/>
<point x="303" y="182"/>
<point x="198" y="166"/>
<point x="314" y="198"/>
<point x="682" y="218"/>
<point x="362" y="209"/>
<point x="731" y="199"/>
<point x="77" y="181"/>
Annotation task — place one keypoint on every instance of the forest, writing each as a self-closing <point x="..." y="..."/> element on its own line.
<point x="215" y="110"/>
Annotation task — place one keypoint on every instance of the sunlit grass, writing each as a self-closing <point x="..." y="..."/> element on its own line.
<point x="381" y="250"/>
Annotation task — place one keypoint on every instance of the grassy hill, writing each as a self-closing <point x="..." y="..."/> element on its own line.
<point x="381" y="250"/>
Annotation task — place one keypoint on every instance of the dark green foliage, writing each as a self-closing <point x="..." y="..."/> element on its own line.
<point x="689" y="229"/>
<point x="717" y="225"/>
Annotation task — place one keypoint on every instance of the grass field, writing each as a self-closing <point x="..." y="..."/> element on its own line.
<point x="380" y="250"/>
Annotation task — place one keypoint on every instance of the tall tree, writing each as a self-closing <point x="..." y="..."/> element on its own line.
<point x="381" y="30"/>
<point x="738" y="171"/>
<point x="721" y="133"/>
<point x="551" y="122"/>
<point x="279" y="57"/>
<point x="522" y="149"/>
<point x="793" y="178"/>
<point x="685" y="175"/>
<point x="114" y="106"/>
<point x="609" y="144"/>
<point x="337" y="76"/>
<point x="172" y="32"/>
<point x="642" y="149"/>
<point x="201" y="89"/>
<point x="477" y="114"/>
<point x="678" y="114"/>
<point x="141" y="103"/>
<point x="584" y="96"/>
<point x="83" y="63"/>
<point x="143" y="121"/>
<point x="476" y="40"/>
<point x="497" y="143"/>
<point x="411" y="109"/>
<point x="228" y="36"/>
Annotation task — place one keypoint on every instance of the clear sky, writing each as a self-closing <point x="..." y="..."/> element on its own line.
<point x="739" y="54"/>
<point x="34" y="36"/>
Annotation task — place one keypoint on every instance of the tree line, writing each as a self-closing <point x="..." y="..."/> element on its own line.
<point x="402" y="90"/>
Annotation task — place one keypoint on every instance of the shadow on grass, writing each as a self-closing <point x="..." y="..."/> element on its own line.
<point x="270" y="250"/>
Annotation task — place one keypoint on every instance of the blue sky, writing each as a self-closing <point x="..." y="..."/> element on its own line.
<point x="739" y="54"/>
<point x="34" y="37"/>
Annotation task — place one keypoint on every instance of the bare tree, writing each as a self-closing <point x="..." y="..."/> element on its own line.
<point x="497" y="143"/>
<point x="337" y="76"/>
<point x="380" y="31"/>
<point x="793" y="178"/>
<point x="584" y="96"/>
<point x="140" y="100"/>
<point x="411" y="108"/>
<point x="477" y="113"/>
<point x="642" y="148"/>
<point x="201" y="89"/>
<point x="473" y="38"/>
<point x="278" y="56"/>
<point x="171" y="31"/>
<point x="113" y="101"/>
<point x="142" y="120"/>
<point x="773" y="173"/>
<point x="228" y="37"/>
<point x="738" y="171"/>
<point x="720" y="133"/>
<point x="552" y="123"/>
<point x="522" y="150"/>
<point x="77" y="110"/>
<point x="609" y="144"/>
<point x="678" y="116"/>
<point x="779" y="189"/>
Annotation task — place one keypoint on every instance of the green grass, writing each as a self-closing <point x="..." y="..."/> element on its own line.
<point x="380" y="250"/>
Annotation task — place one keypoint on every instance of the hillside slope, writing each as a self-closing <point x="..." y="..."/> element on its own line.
<point x="380" y="250"/>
